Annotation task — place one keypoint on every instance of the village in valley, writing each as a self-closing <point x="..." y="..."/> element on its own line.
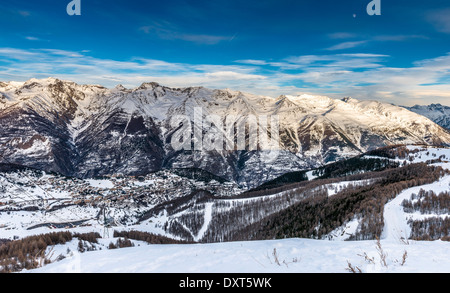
<point x="31" y="192"/>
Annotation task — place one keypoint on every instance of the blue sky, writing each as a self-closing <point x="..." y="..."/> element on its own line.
<point x="265" y="47"/>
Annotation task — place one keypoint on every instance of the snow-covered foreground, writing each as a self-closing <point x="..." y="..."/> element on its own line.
<point x="269" y="256"/>
<point x="277" y="256"/>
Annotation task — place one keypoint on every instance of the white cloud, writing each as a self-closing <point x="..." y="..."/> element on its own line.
<point x="167" y="31"/>
<point x="231" y="75"/>
<point x="342" y="35"/>
<point x="24" y="13"/>
<point x="440" y="19"/>
<point x="252" y="62"/>
<point x="17" y="54"/>
<point x="398" y="38"/>
<point x="346" y="45"/>
<point x="30" y="38"/>
<point x="21" y="65"/>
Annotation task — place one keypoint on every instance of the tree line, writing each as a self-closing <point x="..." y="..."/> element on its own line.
<point x="150" y="238"/>
<point x="318" y="215"/>
<point x="301" y="209"/>
<point x="428" y="202"/>
<point x="30" y="252"/>
<point x="432" y="228"/>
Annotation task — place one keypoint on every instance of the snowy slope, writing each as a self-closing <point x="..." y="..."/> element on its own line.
<point x="396" y="227"/>
<point x="293" y="255"/>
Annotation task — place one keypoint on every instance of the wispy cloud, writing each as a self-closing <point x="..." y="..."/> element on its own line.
<point x="20" y="65"/>
<point x="30" y="38"/>
<point x="346" y="45"/>
<point x="17" y="54"/>
<point x="252" y="62"/>
<point x="368" y="39"/>
<point x="440" y="19"/>
<point x="336" y="61"/>
<point x="366" y="76"/>
<point x="232" y="75"/>
<point x="342" y="35"/>
<point x="167" y="31"/>
<point x="399" y="38"/>
<point x="24" y="13"/>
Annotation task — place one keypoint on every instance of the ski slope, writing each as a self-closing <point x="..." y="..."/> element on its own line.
<point x="269" y="256"/>
<point x="395" y="219"/>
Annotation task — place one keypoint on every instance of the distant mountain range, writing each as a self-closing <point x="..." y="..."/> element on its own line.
<point x="89" y="130"/>
<point x="436" y="112"/>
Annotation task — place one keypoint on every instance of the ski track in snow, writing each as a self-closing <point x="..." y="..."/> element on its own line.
<point x="395" y="219"/>
<point x="208" y="218"/>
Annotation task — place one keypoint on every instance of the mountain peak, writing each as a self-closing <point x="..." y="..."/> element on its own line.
<point x="34" y="82"/>
<point x="120" y="87"/>
<point x="41" y="80"/>
<point x="148" y="85"/>
<point x="348" y="100"/>
<point x="312" y="101"/>
<point x="438" y="113"/>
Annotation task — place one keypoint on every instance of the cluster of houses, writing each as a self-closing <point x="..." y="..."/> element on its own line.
<point x="153" y="188"/>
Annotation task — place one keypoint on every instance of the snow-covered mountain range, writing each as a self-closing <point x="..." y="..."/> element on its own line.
<point x="436" y="112"/>
<point x="90" y="130"/>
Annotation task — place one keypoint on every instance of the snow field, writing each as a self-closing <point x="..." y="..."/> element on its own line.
<point x="269" y="256"/>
